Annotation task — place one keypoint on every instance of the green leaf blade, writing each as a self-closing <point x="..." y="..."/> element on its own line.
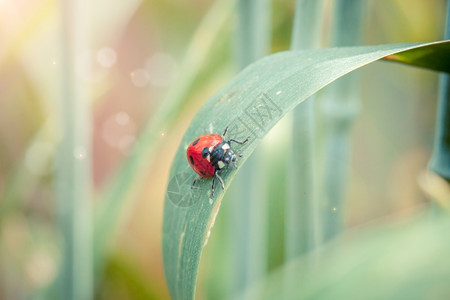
<point x="435" y="59"/>
<point x="250" y="105"/>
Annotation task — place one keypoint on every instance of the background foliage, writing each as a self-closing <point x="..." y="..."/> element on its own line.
<point x="151" y="65"/>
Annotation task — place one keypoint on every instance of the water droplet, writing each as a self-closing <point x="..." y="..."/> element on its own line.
<point x="334" y="208"/>
<point x="79" y="152"/>
<point x="278" y="93"/>
<point x="162" y="133"/>
<point x="106" y="57"/>
<point x="140" y="77"/>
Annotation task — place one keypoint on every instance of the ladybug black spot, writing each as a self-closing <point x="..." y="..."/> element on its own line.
<point x="191" y="159"/>
<point x="195" y="142"/>
<point x="203" y="173"/>
<point x="205" y="152"/>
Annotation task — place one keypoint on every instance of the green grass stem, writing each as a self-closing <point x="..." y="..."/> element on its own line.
<point x="440" y="160"/>
<point x="249" y="216"/>
<point x="73" y="179"/>
<point x="339" y="107"/>
<point x="301" y="226"/>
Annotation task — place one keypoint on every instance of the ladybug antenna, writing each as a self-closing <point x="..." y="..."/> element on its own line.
<point x="225" y="132"/>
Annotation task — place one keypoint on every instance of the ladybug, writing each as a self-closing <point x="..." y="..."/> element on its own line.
<point x="210" y="153"/>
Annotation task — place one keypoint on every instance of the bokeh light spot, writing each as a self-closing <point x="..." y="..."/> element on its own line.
<point x="127" y="144"/>
<point x="106" y="57"/>
<point x="140" y="77"/>
<point x="119" y="131"/>
<point x="41" y="268"/>
<point x="79" y="152"/>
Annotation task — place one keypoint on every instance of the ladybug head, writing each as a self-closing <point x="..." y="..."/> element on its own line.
<point x="229" y="156"/>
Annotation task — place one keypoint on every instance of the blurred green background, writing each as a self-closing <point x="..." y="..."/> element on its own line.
<point x="136" y="57"/>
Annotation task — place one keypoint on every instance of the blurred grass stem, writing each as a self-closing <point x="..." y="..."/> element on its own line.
<point x="440" y="160"/>
<point x="73" y="180"/>
<point x="249" y="216"/>
<point x="301" y="212"/>
<point x="339" y="108"/>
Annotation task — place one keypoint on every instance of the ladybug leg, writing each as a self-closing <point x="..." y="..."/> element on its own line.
<point x="195" y="181"/>
<point x="214" y="182"/>
<point x="212" y="187"/>
<point x="220" y="179"/>
<point x="238" y="142"/>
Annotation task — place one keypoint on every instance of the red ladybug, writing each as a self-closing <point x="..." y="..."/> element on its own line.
<point x="209" y="153"/>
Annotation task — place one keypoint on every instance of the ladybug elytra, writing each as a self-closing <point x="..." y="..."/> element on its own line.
<point x="210" y="153"/>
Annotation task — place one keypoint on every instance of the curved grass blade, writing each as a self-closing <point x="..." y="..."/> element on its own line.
<point x="249" y="106"/>
<point x="434" y="59"/>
